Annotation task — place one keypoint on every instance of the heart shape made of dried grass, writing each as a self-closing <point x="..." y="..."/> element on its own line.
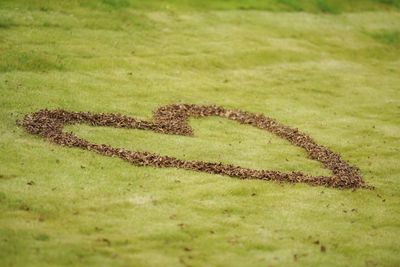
<point x="173" y="119"/>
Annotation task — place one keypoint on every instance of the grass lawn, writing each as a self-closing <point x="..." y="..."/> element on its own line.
<point x="329" y="68"/>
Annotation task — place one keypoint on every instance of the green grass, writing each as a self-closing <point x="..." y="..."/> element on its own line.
<point x="329" y="68"/>
<point x="326" y="7"/>
<point x="389" y="38"/>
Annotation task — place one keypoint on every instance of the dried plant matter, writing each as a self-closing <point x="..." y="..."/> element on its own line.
<point x="173" y="119"/>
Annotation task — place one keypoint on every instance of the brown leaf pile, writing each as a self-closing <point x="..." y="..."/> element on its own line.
<point x="173" y="119"/>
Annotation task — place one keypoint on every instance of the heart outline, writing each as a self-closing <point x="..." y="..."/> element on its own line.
<point x="173" y="119"/>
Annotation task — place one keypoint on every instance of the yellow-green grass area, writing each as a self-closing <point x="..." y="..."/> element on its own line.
<point x="329" y="68"/>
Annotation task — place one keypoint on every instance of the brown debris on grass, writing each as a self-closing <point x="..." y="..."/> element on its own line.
<point x="173" y="119"/>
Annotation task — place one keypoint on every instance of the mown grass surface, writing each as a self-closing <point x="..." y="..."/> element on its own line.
<point x="334" y="76"/>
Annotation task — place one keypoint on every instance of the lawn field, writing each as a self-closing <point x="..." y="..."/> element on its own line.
<point x="329" y="68"/>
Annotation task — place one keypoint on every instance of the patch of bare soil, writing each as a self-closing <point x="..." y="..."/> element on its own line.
<point x="173" y="119"/>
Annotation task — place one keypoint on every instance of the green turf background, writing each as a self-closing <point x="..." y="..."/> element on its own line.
<point x="329" y="68"/>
